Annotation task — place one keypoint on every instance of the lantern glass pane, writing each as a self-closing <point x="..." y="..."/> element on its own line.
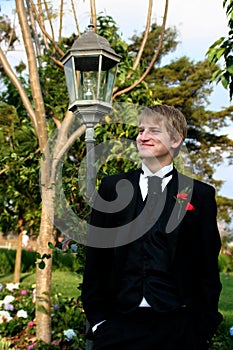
<point x="70" y="80"/>
<point x="107" y="84"/>
<point x="87" y="85"/>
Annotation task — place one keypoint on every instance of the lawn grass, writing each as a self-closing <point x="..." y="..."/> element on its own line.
<point x="64" y="282"/>
<point x="226" y="298"/>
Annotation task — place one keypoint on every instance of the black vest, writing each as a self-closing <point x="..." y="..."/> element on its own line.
<point x="146" y="271"/>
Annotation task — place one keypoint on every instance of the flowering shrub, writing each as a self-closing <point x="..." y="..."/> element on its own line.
<point x="18" y="323"/>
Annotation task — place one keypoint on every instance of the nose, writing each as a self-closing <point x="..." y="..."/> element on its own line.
<point x="144" y="135"/>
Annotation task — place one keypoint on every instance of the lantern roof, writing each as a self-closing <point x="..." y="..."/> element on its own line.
<point x="91" y="43"/>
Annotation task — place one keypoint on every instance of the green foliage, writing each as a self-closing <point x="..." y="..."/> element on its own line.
<point x="5" y="344"/>
<point x="61" y="261"/>
<point x="222" y="49"/>
<point x="225" y="263"/>
<point x="170" y="43"/>
<point x="19" y="164"/>
<point x="222" y="339"/>
<point x="7" y="33"/>
<point x="7" y="261"/>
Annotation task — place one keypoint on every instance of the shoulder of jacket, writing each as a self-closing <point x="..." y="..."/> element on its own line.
<point x="118" y="176"/>
<point x="197" y="184"/>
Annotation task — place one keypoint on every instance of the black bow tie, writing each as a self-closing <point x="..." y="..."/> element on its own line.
<point x="155" y="183"/>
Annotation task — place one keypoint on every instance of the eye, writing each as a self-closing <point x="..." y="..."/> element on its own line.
<point x="155" y="131"/>
<point x="140" y="130"/>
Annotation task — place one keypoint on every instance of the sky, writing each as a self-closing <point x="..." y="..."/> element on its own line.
<point x="199" y="24"/>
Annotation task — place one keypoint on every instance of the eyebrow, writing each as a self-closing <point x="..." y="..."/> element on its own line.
<point x="150" y="127"/>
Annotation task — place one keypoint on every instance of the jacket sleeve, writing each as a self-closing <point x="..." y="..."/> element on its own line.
<point x="210" y="278"/>
<point x="96" y="295"/>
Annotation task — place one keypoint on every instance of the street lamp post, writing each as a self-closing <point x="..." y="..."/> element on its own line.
<point x="90" y="69"/>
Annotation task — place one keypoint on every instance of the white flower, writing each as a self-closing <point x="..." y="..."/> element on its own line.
<point x="34" y="295"/>
<point x="22" y="313"/>
<point x="74" y="247"/>
<point x="12" y="286"/>
<point x="5" y="316"/>
<point x="8" y="299"/>
<point x="69" y="334"/>
<point x="231" y="331"/>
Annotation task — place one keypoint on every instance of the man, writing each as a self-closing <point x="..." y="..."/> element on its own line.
<point x="151" y="279"/>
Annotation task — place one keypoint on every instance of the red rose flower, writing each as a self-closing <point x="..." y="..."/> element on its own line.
<point x="189" y="206"/>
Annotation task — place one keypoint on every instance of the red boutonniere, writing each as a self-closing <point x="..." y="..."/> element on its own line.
<point x="182" y="198"/>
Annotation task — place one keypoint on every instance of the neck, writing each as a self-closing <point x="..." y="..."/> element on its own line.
<point x="155" y="166"/>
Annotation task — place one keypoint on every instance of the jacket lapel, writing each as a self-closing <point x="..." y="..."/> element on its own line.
<point x="176" y="209"/>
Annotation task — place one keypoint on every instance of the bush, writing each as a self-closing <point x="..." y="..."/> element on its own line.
<point x="222" y="340"/>
<point x="7" y="260"/>
<point x="17" y="320"/>
<point x="62" y="262"/>
<point x="65" y="262"/>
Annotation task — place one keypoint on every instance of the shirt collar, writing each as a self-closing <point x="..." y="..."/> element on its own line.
<point x="161" y="173"/>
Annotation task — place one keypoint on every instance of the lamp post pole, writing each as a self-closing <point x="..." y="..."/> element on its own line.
<point x="90" y="162"/>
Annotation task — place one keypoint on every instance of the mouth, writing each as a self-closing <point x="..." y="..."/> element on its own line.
<point x="146" y="145"/>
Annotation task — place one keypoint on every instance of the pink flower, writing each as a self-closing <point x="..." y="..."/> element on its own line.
<point x="24" y="291"/>
<point x="183" y="196"/>
<point x="65" y="243"/>
<point x="55" y="342"/>
<point x="31" y="323"/>
<point x="30" y="347"/>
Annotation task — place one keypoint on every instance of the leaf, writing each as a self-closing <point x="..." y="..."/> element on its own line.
<point x="225" y="80"/>
<point x="217" y="42"/>
<point x="51" y="246"/>
<point x="46" y="256"/>
<point x="230" y="69"/>
<point x="38" y="256"/>
<point x="216" y="74"/>
<point x="220" y="52"/>
<point x="41" y="265"/>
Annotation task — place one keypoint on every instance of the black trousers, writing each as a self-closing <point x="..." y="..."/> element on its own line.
<point x="146" y="329"/>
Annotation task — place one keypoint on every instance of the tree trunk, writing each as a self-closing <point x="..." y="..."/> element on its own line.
<point x="44" y="276"/>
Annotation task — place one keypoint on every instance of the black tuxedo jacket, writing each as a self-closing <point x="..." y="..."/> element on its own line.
<point x="187" y="218"/>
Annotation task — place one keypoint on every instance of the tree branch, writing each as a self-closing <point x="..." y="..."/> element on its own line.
<point x="75" y="17"/>
<point x="61" y="21"/>
<point x="140" y="52"/>
<point x="41" y="25"/>
<point x="33" y="75"/>
<point x="63" y="149"/>
<point x="93" y="13"/>
<point x="154" y="58"/>
<point x="16" y="82"/>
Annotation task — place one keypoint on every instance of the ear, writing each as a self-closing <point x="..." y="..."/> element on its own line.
<point x="176" y="142"/>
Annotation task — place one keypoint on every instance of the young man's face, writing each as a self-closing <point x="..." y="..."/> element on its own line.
<point x="155" y="143"/>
